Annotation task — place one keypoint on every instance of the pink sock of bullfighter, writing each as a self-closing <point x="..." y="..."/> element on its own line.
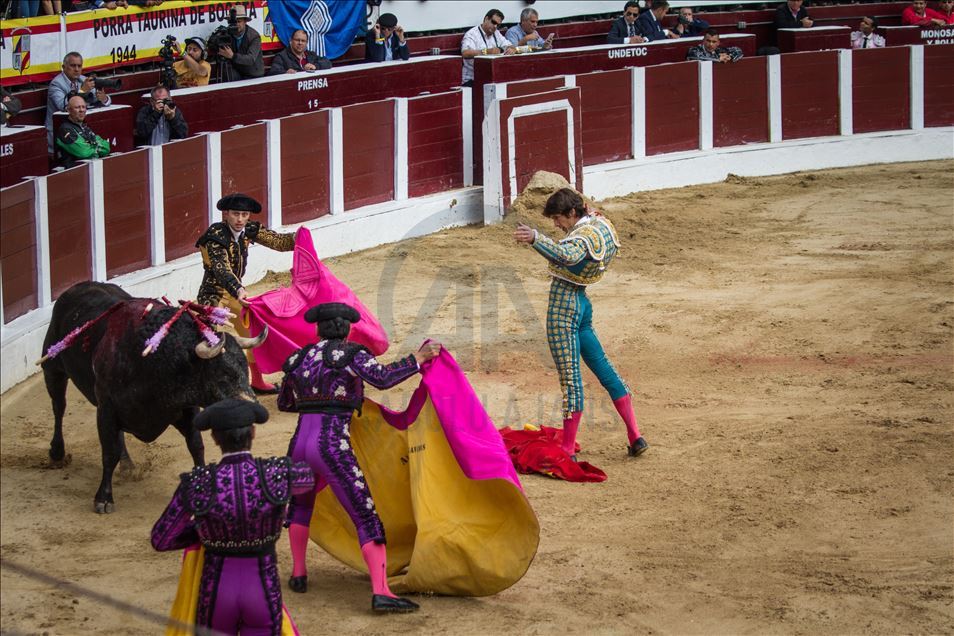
<point x="624" y="406"/>
<point x="298" y="538"/>
<point x="376" y="556"/>
<point x="570" y="426"/>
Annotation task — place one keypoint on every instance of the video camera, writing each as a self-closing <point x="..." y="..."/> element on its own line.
<point x="167" y="76"/>
<point x="222" y="36"/>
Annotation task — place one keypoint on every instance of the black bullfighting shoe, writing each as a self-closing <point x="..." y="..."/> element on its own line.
<point x="268" y="389"/>
<point x="298" y="584"/>
<point x="638" y="447"/>
<point x="392" y="605"/>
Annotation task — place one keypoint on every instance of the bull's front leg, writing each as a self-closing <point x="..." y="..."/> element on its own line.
<point x="192" y="437"/>
<point x="111" y="441"/>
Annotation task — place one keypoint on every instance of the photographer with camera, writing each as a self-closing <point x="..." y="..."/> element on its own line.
<point x="239" y="48"/>
<point x="688" y="26"/>
<point x="192" y="69"/>
<point x="72" y="80"/>
<point x="159" y="121"/>
<point x="74" y="139"/>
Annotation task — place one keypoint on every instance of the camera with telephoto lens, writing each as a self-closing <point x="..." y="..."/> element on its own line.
<point x="684" y="20"/>
<point x="167" y="76"/>
<point x="112" y="83"/>
<point x="169" y="102"/>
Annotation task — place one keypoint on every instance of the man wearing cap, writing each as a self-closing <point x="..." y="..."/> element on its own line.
<point x="192" y="69"/>
<point x="577" y="261"/>
<point x="224" y="248"/>
<point x="235" y="509"/>
<point x="296" y="57"/>
<point x="385" y="40"/>
<point x="245" y="55"/>
<point x="324" y="383"/>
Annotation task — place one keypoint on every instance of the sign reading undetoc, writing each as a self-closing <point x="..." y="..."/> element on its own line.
<point x="33" y="49"/>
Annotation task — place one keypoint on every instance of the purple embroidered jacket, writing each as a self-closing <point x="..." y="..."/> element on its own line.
<point x="234" y="507"/>
<point x="330" y="376"/>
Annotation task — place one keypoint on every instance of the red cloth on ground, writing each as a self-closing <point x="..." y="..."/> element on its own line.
<point x="541" y="452"/>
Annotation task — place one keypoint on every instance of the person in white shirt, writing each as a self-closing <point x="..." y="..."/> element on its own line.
<point x="483" y="39"/>
<point x="865" y="37"/>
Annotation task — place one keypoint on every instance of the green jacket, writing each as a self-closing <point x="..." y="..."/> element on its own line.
<point x="78" y="141"/>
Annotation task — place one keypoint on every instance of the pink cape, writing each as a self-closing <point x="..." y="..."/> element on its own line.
<point x="283" y="310"/>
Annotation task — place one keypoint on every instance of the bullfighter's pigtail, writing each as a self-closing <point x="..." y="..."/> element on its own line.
<point x="62" y="345"/>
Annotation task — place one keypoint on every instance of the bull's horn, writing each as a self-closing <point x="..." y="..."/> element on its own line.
<point x="206" y="351"/>
<point x="251" y="343"/>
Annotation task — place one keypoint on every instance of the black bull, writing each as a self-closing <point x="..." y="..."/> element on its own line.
<point x="134" y="394"/>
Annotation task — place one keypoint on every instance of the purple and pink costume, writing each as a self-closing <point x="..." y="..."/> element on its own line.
<point x="324" y="382"/>
<point x="235" y="509"/>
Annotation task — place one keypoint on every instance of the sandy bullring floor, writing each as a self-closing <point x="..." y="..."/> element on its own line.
<point x="790" y="343"/>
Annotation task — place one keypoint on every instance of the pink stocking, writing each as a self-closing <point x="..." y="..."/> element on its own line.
<point x="298" y="538"/>
<point x="624" y="406"/>
<point x="376" y="556"/>
<point x="570" y="426"/>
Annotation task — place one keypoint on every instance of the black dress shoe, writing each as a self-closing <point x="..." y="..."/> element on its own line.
<point x="638" y="447"/>
<point x="391" y="605"/>
<point x="271" y="390"/>
<point x="298" y="584"/>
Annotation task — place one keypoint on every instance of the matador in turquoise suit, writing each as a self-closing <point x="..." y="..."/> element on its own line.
<point x="578" y="260"/>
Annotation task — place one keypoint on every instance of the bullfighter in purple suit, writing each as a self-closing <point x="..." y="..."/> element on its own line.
<point x="235" y="509"/>
<point x="324" y="382"/>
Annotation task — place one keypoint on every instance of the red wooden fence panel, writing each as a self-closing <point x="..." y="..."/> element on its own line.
<point x="672" y="107"/>
<point x="185" y="179"/>
<point x="368" y="132"/>
<point x="939" y="85"/>
<point x="306" y="157"/>
<point x="245" y="163"/>
<point x="740" y="102"/>
<point x="529" y="87"/>
<point x="435" y="144"/>
<point x="71" y="255"/>
<point x="881" y="89"/>
<point x="606" y="99"/>
<point x="18" y="250"/>
<point x="810" y="95"/>
<point x="126" y="198"/>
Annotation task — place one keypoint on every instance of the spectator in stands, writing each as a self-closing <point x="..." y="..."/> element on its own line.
<point x="26" y="8"/>
<point x="525" y="33"/>
<point x="9" y="106"/>
<point x="159" y="121"/>
<point x="244" y="58"/>
<point x="624" y="29"/>
<point x="792" y="15"/>
<point x="109" y="4"/>
<point x="650" y="23"/>
<point x="710" y="51"/>
<point x="689" y="26"/>
<point x="919" y="15"/>
<point x="295" y="57"/>
<point x="71" y="80"/>
<point x="192" y="69"/>
<point x="865" y="37"/>
<point x="385" y="40"/>
<point x="74" y="139"/>
<point x="483" y="39"/>
<point x="946" y="10"/>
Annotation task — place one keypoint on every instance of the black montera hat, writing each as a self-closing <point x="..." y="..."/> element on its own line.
<point x="387" y="20"/>
<point x="240" y="202"/>
<point x="230" y="413"/>
<point x="330" y="311"/>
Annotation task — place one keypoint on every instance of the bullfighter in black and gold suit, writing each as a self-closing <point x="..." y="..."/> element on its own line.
<point x="224" y="248"/>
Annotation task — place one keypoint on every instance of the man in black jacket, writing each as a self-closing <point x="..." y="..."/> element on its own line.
<point x="624" y="29"/>
<point x="792" y="15"/>
<point x="244" y="58"/>
<point x="160" y="121"/>
<point x="296" y="57"/>
<point x="385" y="41"/>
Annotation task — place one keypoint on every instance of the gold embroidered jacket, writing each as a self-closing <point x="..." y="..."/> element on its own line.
<point x="584" y="254"/>
<point x="224" y="258"/>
